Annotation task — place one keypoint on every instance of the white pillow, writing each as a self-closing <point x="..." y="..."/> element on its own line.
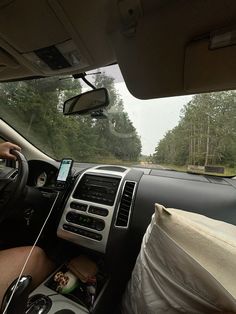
<point x="187" y="264"/>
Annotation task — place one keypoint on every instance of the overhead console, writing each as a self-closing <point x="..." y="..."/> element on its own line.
<point x="52" y="37"/>
<point x="90" y="208"/>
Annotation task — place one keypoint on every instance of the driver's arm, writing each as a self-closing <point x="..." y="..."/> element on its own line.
<point x="5" y="149"/>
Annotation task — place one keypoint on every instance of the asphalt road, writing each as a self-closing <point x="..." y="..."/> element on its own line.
<point x="151" y="165"/>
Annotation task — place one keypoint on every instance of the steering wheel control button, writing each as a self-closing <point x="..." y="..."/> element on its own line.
<point x="86" y="221"/>
<point x="98" y="211"/>
<point x="82" y="232"/>
<point x="78" y="206"/>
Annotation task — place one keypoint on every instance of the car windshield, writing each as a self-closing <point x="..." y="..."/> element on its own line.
<point x="189" y="133"/>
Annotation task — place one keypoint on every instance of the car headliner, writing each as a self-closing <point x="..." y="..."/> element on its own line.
<point x="163" y="47"/>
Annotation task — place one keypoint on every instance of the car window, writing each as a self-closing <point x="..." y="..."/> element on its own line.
<point x="194" y="133"/>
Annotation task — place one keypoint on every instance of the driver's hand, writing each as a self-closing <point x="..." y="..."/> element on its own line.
<point x="5" y="149"/>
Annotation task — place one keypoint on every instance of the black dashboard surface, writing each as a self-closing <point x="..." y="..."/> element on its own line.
<point x="212" y="196"/>
<point x="207" y="195"/>
<point x="216" y="200"/>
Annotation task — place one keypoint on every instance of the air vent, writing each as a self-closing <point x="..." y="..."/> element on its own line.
<point x="122" y="219"/>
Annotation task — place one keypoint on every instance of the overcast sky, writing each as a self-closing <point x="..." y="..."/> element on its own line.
<point x="151" y="118"/>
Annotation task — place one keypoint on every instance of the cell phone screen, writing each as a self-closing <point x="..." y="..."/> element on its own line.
<point x="64" y="170"/>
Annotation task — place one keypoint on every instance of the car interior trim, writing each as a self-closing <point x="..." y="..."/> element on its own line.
<point x="84" y="232"/>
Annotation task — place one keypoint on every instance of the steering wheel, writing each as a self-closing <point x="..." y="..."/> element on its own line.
<point x="11" y="190"/>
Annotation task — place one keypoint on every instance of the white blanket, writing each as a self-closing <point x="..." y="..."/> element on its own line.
<point x="187" y="264"/>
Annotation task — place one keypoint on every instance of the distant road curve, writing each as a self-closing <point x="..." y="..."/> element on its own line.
<point x="151" y="165"/>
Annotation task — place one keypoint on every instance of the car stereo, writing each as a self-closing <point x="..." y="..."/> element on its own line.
<point x="97" y="189"/>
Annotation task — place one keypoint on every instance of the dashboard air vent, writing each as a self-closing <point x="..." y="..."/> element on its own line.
<point x="122" y="219"/>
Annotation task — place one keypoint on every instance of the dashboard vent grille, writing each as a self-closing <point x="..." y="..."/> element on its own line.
<point x="122" y="219"/>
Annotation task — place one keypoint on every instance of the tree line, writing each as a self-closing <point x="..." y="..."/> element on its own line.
<point x="205" y="135"/>
<point x="34" y="108"/>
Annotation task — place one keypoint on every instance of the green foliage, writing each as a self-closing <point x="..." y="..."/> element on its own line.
<point x="117" y="134"/>
<point x="205" y="135"/>
<point x="34" y="108"/>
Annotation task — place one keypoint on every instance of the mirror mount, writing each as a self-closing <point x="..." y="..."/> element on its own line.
<point x="99" y="114"/>
<point x="82" y="77"/>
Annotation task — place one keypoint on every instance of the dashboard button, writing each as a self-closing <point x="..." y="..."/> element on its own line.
<point x="93" y="235"/>
<point x="98" y="211"/>
<point x="71" y="217"/>
<point x="99" y="225"/>
<point x="78" y="206"/>
<point x="85" y="233"/>
<point x="66" y="227"/>
<point x="86" y="221"/>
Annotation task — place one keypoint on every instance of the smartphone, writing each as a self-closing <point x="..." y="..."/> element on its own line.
<point x="64" y="170"/>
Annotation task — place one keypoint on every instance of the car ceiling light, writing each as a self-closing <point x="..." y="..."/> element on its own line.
<point x="59" y="57"/>
<point x="222" y="38"/>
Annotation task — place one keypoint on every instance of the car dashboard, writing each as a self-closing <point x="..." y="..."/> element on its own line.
<point x="106" y="202"/>
<point x="95" y="200"/>
<point x="104" y="211"/>
<point x="42" y="174"/>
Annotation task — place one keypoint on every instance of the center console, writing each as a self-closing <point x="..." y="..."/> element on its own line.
<point x="46" y="299"/>
<point x="99" y="203"/>
<point x="89" y="210"/>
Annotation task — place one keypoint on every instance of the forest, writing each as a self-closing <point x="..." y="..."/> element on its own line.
<point x="205" y="134"/>
<point x="34" y="108"/>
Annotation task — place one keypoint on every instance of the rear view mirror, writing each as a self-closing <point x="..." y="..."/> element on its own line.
<point x="86" y="102"/>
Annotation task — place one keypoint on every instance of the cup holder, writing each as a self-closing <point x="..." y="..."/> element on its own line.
<point x="84" y="293"/>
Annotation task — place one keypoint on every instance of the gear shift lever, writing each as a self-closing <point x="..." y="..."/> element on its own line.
<point x="19" y="300"/>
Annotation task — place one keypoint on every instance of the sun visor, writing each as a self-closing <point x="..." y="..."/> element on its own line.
<point x="209" y="69"/>
<point x="6" y="60"/>
<point x="158" y="53"/>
